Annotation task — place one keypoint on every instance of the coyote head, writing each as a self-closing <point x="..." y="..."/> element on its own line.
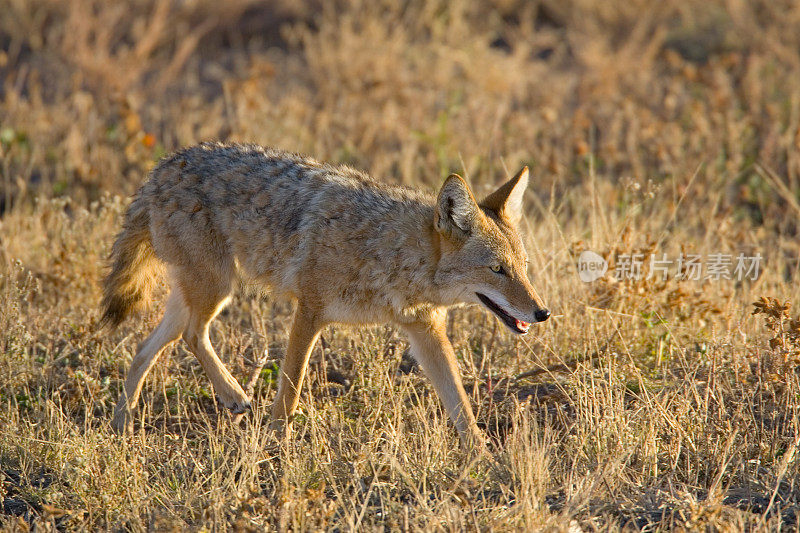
<point x="482" y="258"/>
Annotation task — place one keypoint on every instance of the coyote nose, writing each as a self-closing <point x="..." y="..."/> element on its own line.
<point x="541" y="315"/>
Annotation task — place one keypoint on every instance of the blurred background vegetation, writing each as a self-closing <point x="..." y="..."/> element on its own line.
<point x="93" y="92"/>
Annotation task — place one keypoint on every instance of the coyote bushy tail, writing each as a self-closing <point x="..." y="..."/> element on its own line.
<point x="134" y="266"/>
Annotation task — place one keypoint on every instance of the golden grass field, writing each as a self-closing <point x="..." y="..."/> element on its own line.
<point x="650" y="127"/>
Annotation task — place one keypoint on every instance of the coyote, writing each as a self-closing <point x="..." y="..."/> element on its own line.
<point x="346" y="248"/>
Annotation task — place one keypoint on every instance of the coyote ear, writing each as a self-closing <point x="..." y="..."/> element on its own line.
<point x="507" y="200"/>
<point x="456" y="208"/>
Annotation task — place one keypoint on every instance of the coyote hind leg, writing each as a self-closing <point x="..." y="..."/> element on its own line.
<point x="204" y="302"/>
<point x="176" y="316"/>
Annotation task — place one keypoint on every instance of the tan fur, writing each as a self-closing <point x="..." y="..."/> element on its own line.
<point x="346" y="248"/>
<point x="128" y="286"/>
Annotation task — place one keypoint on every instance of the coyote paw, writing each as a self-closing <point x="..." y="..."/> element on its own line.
<point x="122" y="423"/>
<point x="280" y="428"/>
<point x="237" y="407"/>
<point x="240" y="407"/>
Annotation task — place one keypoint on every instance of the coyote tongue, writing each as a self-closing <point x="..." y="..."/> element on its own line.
<point x="523" y="325"/>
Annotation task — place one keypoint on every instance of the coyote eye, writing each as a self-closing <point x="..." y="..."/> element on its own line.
<point x="498" y="269"/>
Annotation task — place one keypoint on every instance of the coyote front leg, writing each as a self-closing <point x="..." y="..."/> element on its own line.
<point x="305" y="331"/>
<point x="432" y="349"/>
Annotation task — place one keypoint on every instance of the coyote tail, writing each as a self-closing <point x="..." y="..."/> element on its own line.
<point x="134" y="266"/>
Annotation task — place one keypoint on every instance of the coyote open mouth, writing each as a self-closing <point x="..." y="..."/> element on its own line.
<point x="517" y="326"/>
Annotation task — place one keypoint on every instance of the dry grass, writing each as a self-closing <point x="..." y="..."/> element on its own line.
<point x="643" y="405"/>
